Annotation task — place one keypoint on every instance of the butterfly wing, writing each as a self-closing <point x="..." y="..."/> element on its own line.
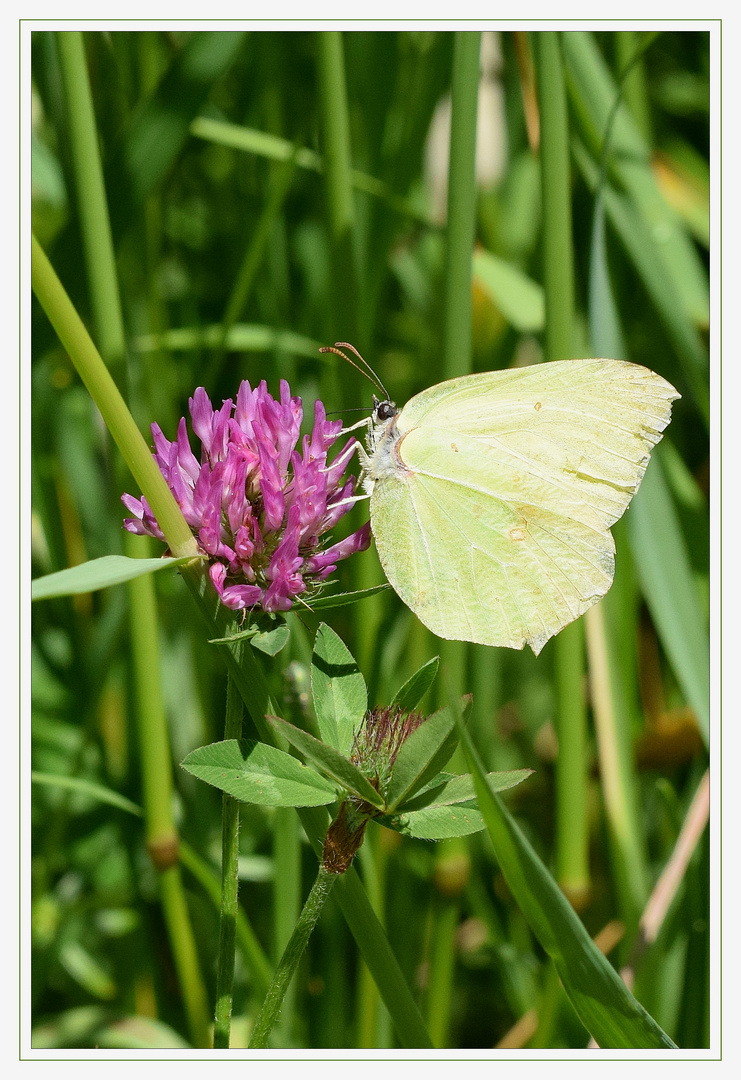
<point x="494" y="527"/>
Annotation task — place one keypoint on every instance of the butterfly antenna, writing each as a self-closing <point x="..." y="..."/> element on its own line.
<point x="366" y="370"/>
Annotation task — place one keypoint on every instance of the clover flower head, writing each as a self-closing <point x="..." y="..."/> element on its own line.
<point x="377" y="742"/>
<point x="378" y="739"/>
<point x="258" y="506"/>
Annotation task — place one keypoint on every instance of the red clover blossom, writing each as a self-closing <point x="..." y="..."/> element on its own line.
<point x="257" y="506"/>
<point x="379" y="739"/>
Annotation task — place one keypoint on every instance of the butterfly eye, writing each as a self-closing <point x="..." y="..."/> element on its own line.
<point x="385" y="410"/>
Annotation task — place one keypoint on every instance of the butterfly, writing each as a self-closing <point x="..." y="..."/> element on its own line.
<point x="492" y="495"/>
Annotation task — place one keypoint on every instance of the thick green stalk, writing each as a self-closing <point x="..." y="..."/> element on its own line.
<point x="572" y="822"/>
<point x="572" y="855"/>
<point x="106" y="395"/>
<point x="635" y="89"/>
<point x="185" y="954"/>
<point x="457" y="343"/>
<point x="555" y="172"/>
<point x="156" y="769"/>
<point x="611" y="625"/>
<point x="446" y="918"/>
<point x="92" y="205"/>
<point x="374" y="1029"/>
<point x="616" y="773"/>
<point x="336" y="121"/>
<point x="382" y="962"/>
<point x="451" y="875"/>
<point x="154" y="743"/>
<point x="286" y="902"/>
<point x="229" y="884"/>
<point x="294" y="950"/>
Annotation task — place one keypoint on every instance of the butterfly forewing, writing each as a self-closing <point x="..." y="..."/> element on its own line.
<point x="574" y="430"/>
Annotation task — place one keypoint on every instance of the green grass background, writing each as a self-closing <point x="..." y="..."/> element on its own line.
<point x="268" y="193"/>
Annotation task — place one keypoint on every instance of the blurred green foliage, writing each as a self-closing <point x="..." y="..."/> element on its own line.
<point x="216" y="229"/>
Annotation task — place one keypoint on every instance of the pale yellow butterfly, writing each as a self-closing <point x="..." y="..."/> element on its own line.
<point x="492" y="495"/>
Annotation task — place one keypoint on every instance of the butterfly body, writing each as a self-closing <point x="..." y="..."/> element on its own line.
<point x="492" y="494"/>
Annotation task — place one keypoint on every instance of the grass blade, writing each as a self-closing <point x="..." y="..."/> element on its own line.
<point x="605" y="1006"/>
<point x="666" y="579"/>
<point x="98" y="574"/>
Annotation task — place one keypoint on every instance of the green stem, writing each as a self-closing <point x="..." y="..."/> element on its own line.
<point x="257" y="964"/>
<point x="294" y="950"/>
<point x="572" y="832"/>
<point x="558" y="262"/>
<point x="451" y="875"/>
<point x="92" y="205"/>
<point x="629" y="47"/>
<point x="154" y="743"/>
<point x="185" y="954"/>
<point x="373" y="857"/>
<point x="572" y="856"/>
<point x="617" y="776"/>
<point x="162" y="837"/>
<point x="446" y="917"/>
<point x="338" y="175"/>
<point x="229" y="884"/>
<point x="457" y="342"/>
<point x="286" y="902"/>
<point x="457" y="345"/>
<point x="382" y="962"/>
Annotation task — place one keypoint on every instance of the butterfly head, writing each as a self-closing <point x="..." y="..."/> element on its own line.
<point x="381" y="458"/>
<point x="383" y="410"/>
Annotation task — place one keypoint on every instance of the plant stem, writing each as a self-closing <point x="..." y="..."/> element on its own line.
<point x="92" y="205"/>
<point x="335" y="125"/>
<point x="381" y="960"/>
<point x="572" y="832"/>
<point x="294" y="950"/>
<point x="616" y="771"/>
<point x="156" y="771"/>
<point x="572" y="856"/>
<point x="154" y="743"/>
<point x="256" y="962"/>
<point x="185" y="954"/>
<point x="373" y="1022"/>
<point x="457" y="347"/>
<point x="286" y="902"/>
<point x="457" y="343"/>
<point x="229" y="884"/>
<point x="446" y="917"/>
<point x="558" y="262"/>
